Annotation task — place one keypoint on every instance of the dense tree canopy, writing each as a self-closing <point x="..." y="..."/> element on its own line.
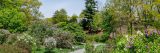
<point x="16" y="15"/>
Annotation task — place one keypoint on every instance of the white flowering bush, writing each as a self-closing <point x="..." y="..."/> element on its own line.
<point x="27" y="38"/>
<point x="50" y="42"/>
<point x="4" y="35"/>
<point x="26" y="41"/>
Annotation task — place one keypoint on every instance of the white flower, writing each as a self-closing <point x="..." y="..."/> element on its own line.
<point x="139" y="32"/>
<point x="127" y="37"/>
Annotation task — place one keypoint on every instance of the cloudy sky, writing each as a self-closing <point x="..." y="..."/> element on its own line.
<point x="71" y="6"/>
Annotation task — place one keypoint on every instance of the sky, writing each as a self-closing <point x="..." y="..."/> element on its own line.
<point x="71" y="6"/>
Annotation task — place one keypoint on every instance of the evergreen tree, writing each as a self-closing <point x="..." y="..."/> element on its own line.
<point x="89" y="13"/>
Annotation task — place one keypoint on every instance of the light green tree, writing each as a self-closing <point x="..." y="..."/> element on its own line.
<point x="60" y="16"/>
<point x="74" y="18"/>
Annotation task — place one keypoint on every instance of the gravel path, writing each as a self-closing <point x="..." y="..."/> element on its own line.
<point x="79" y="51"/>
<point x="83" y="49"/>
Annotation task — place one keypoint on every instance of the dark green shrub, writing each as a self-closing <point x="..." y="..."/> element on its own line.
<point x="104" y="37"/>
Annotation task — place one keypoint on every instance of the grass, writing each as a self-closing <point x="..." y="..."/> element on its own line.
<point x="58" y="50"/>
<point x="100" y="49"/>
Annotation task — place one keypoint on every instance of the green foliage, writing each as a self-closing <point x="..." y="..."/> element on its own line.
<point x="31" y="10"/>
<point x="108" y="22"/>
<point x="104" y="37"/>
<point x="64" y="39"/>
<point x="60" y="16"/>
<point x="40" y="29"/>
<point x="57" y="50"/>
<point x="74" y="18"/>
<point x="89" y="48"/>
<point x="38" y="50"/>
<point x="12" y="20"/>
<point x="98" y="20"/>
<point x="90" y="10"/>
<point x="89" y="13"/>
<point x="136" y="43"/>
<point x="26" y="41"/>
<point x="100" y="49"/>
<point x="25" y="37"/>
<point x="3" y="36"/>
<point x="16" y="15"/>
<point x="76" y="29"/>
<point x="54" y="50"/>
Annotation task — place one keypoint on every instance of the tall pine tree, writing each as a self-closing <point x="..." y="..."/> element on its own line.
<point x="89" y="12"/>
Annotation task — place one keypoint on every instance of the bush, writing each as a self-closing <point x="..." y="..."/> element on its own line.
<point x="64" y="39"/>
<point x="4" y="34"/>
<point x="13" y="20"/>
<point x="26" y="41"/>
<point x="40" y="30"/>
<point x="50" y="42"/>
<point x="75" y="29"/>
<point x="104" y="38"/>
<point x="136" y="44"/>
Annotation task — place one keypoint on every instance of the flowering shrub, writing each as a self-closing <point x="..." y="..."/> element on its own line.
<point x="137" y="43"/>
<point x="26" y="41"/>
<point x="50" y="42"/>
<point x="4" y="35"/>
<point x="27" y="38"/>
<point x="64" y="39"/>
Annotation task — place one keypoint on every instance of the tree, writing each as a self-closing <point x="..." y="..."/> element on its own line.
<point x="81" y="14"/>
<point x="59" y="16"/>
<point x="107" y="22"/>
<point x="31" y="10"/>
<point x="74" y="18"/>
<point x="98" y="20"/>
<point x="89" y="13"/>
<point x="16" y="15"/>
<point x="134" y="13"/>
<point x="11" y="17"/>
